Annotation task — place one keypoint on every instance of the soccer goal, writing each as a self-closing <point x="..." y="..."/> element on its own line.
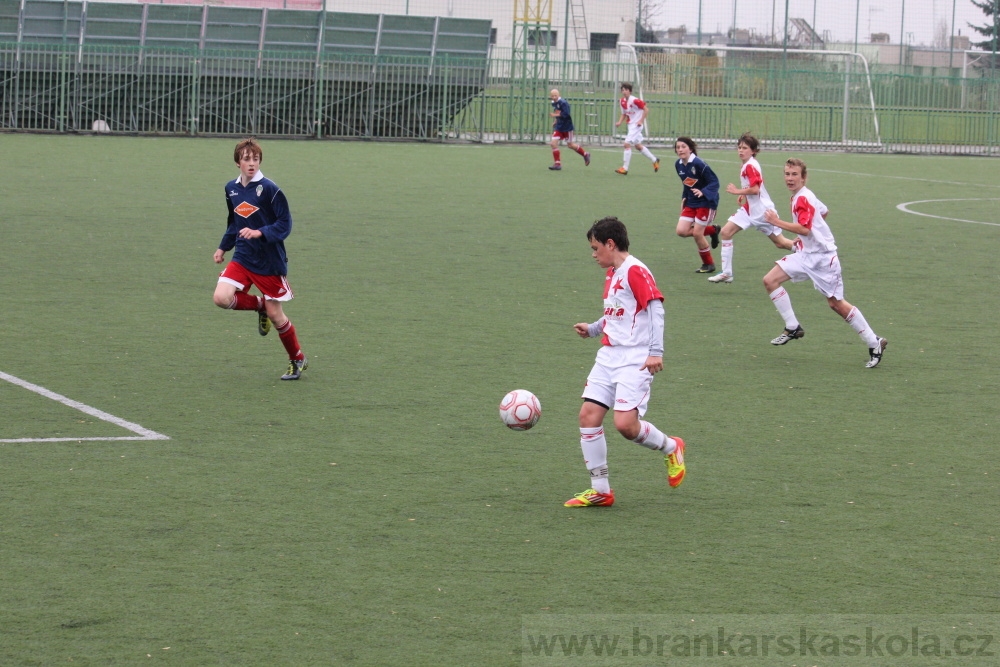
<point x="790" y="97"/>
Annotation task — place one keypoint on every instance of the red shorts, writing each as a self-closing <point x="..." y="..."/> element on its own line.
<point x="701" y="216"/>
<point x="275" y="288"/>
<point x="556" y="134"/>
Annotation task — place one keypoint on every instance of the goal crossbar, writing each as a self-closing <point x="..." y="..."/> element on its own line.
<point x="630" y="49"/>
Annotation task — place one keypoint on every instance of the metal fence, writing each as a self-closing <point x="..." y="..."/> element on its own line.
<point x="160" y="91"/>
<point x="74" y="88"/>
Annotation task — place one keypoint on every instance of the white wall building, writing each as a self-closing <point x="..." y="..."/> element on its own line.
<point x="610" y="21"/>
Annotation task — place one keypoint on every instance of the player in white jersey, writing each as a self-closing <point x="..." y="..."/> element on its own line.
<point x="753" y="201"/>
<point x="815" y="259"/>
<point x="631" y="331"/>
<point x="634" y="111"/>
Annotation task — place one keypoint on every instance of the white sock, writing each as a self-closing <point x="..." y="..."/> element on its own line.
<point x="599" y="480"/>
<point x="650" y="437"/>
<point x="595" y="456"/>
<point x="727" y="257"/>
<point x="860" y="324"/>
<point x="783" y="303"/>
<point x="628" y="158"/>
<point x="645" y="151"/>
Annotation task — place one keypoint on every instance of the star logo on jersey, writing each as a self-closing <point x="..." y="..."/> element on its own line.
<point x="617" y="286"/>
<point x="245" y="209"/>
<point x="690" y="182"/>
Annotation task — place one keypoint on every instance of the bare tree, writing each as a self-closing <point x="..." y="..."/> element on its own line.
<point x="646" y="13"/>
<point x="942" y="38"/>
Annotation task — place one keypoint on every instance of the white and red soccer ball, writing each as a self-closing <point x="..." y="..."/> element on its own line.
<point x="520" y="410"/>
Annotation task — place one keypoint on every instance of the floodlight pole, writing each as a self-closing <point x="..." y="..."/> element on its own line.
<point x="902" y="24"/>
<point x="699" y="23"/>
<point x="857" y="18"/>
<point x="732" y="38"/>
<point x="951" y="39"/>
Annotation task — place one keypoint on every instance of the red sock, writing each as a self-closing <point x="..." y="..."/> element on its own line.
<point x="706" y="256"/>
<point x="244" y="301"/>
<point x="286" y="332"/>
<point x="711" y="229"/>
<point x="555" y="156"/>
<point x="579" y="149"/>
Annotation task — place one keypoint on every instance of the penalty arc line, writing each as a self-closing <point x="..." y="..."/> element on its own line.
<point x="903" y="207"/>
<point x="142" y="433"/>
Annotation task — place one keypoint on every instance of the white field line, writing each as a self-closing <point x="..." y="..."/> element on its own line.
<point x="904" y="207"/>
<point x="142" y="433"/>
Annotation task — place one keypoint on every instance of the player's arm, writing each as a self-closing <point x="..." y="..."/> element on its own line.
<point x="621" y="119"/>
<point x="710" y="189"/>
<point x="654" y="362"/>
<point x="228" y="241"/>
<point x="772" y="217"/>
<point x="752" y="190"/>
<point x="592" y="330"/>
<point x="282" y="225"/>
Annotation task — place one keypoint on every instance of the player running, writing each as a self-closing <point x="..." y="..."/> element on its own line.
<point x="815" y="258"/>
<point x="258" y="224"/>
<point x="562" y="130"/>
<point x="699" y="200"/>
<point x="634" y="111"/>
<point x="631" y="332"/>
<point x="753" y="201"/>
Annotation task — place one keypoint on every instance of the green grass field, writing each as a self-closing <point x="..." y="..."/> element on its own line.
<point x="377" y="512"/>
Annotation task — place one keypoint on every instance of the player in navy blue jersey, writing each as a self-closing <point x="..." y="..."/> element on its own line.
<point x="258" y="224"/>
<point x="699" y="200"/>
<point x="562" y="129"/>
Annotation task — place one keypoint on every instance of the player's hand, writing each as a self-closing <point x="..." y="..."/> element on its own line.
<point x="771" y="215"/>
<point x="653" y="364"/>
<point x="219" y="256"/>
<point x="247" y="233"/>
<point x="582" y="329"/>
<point x="733" y="190"/>
<point x="696" y="192"/>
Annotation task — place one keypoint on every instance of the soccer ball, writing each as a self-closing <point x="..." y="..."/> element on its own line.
<point x="520" y="410"/>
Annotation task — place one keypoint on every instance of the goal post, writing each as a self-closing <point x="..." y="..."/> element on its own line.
<point x="809" y="98"/>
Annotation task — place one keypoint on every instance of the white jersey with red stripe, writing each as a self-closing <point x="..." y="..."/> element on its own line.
<point x="751" y="175"/>
<point x="632" y="107"/>
<point x="810" y="212"/>
<point x="627" y="293"/>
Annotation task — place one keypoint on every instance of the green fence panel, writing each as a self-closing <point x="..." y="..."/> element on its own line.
<point x="10" y="17"/>
<point x="175" y="26"/>
<point x="113" y="23"/>
<point x="51" y="22"/>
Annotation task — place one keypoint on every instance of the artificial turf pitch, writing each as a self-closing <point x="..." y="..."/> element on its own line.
<point x="376" y="512"/>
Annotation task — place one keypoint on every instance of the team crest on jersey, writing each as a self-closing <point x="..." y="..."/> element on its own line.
<point x="245" y="209"/>
<point x="260" y="189"/>
<point x="690" y="181"/>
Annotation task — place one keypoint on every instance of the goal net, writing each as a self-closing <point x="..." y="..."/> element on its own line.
<point x="787" y="97"/>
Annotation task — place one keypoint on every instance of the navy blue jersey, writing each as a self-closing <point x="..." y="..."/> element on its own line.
<point x="697" y="174"/>
<point x="260" y="205"/>
<point x="564" y="121"/>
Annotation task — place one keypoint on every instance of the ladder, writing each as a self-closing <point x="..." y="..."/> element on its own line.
<point x="577" y="25"/>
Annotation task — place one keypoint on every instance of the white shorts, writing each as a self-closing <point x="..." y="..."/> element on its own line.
<point x="617" y="381"/>
<point x="822" y="268"/>
<point x="743" y="220"/>
<point x="634" y="135"/>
